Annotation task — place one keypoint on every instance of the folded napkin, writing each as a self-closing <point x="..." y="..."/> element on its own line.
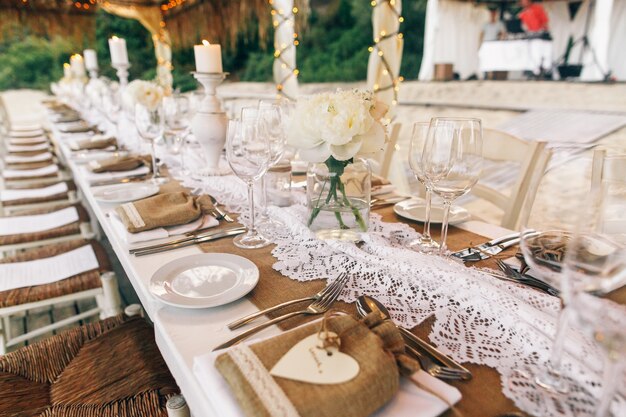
<point x="119" y="163"/>
<point x="95" y="142"/>
<point x="376" y="347"/>
<point x="30" y="173"/>
<point x="93" y="177"/>
<point x="27" y="193"/>
<point x="78" y="127"/>
<point x="379" y="185"/>
<point x="19" y="159"/>
<point x="28" y="148"/>
<point x="48" y="270"/>
<point x="203" y="222"/>
<point x="163" y="210"/>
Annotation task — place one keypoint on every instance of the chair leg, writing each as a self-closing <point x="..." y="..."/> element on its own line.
<point x="111" y="301"/>
<point x="177" y="407"/>
<point x="3" y="338"/>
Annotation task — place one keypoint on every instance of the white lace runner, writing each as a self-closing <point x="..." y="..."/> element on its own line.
<point x="478" y="318"/>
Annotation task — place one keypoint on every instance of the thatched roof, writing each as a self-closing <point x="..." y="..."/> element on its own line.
<point x="188" y="21"/>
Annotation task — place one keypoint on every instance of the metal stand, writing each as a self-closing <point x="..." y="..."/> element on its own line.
<point x="210" y="123"/>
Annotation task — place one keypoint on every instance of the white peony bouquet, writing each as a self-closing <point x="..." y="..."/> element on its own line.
<point x="338" y="125"/>
<point x="142" y="92"/>
<point x="333" y="128"/>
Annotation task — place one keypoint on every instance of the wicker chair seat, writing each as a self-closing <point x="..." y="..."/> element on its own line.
<point x="77" y="283"/>
<point x="30" y="165"/>
<point x="67" y="230"/>
<point x="105" y="369"/>
<point x="61" y="196"/>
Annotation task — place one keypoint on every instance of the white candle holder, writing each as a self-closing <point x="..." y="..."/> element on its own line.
<point x="122" y="73"/>
<point x="93" y="74"/>
<point x="210" y="123"/>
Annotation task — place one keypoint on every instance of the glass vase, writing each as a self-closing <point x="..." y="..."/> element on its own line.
<point x="338" y="198"/>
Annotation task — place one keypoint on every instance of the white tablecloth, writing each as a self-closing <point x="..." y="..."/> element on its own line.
<point x="515" y="55"/>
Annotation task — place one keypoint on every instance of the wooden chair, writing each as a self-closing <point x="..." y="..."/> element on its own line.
<point x="533" y="158"/>
<point x="99" y="284"/>
<point x="605" y="172"/>
<point x="13" y="206"/>
<point x="111" y="368"/>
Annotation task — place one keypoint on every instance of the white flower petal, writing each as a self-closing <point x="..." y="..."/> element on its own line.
<point x="374" y="140"/>
<point x="347" y="151"/>
<point x="319" y="153"/>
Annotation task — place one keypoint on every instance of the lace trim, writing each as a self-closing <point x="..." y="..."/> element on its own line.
<point x="266" y="389"/>
<point x="133" y="214"/>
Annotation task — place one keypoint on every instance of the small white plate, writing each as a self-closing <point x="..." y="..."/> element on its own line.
<point x="123" y="193"/>
<point x="204" y="280"/>
<point x="416" y="210"/>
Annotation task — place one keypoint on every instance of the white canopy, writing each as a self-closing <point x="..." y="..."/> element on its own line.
<point x="453" y="28"/>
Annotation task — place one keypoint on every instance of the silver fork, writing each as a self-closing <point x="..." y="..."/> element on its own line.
<point x="341" y="280"/>
<point x="432" y="368"/>
<point x="316" y="307"/>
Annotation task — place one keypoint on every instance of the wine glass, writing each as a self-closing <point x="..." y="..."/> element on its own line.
<point x="150" y="125"/>
<point x="425" y="243"/>
<point x="177" y="119"/>
<point x="270" y="128"/>
<point x="248" y="155"/>
<point x="452" y="161"/>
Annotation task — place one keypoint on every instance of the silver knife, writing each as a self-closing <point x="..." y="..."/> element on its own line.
<point x="488" y="249"/>
<point x="220" y="212"/>
<point x="185" y="238"/>
<point x="194" y="241"/>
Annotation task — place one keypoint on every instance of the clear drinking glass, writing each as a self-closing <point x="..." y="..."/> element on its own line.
<point x="248" y="155"/>
<point x="425" y="243"/>
<point x="270" y="127"/>
<point x="150" y="125"/>
<point x="452" y="161"/>
<point x="177" y="119"/>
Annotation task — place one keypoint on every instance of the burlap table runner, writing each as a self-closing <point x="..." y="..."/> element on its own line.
<point x="482" y="396"/>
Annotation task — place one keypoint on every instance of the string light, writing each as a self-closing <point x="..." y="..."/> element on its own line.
<point x="394" y="83"/>
<point x="279" y="18"/>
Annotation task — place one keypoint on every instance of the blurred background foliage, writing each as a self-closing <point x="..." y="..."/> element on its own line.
<point x="332" y="48"/>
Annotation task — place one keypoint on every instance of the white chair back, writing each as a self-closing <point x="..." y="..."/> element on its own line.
<point x="533" y="158"/>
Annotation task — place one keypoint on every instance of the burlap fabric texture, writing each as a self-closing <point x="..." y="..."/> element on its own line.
<point x="119" y="163"/>
<point x="375" y="344"/>
<point x="96" y="144"/>
<point x="163" y="210"/>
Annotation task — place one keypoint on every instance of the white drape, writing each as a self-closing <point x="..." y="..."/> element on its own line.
<point x="380" y="77"/>
<point x="285" y="63"/>
<point x="453" y="28"/>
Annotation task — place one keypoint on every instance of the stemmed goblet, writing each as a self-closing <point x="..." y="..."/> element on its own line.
<point x="150" y="125"/>
<point x="271" y="129"/>
<point x="177" y="119"/>
<point x="452" y="161"/>
<point x="425" y="243"/>
<point x="248" y="155"/>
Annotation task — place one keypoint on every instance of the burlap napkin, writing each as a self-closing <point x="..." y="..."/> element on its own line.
<point x="96" y="143"/>
<point x="376" y="345"/>
<point x="354" y="182"/>
<point x="119" y="163"/>
<point x="163" y="210"/>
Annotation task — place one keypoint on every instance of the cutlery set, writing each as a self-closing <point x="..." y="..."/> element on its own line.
<point x="432" y="361"/>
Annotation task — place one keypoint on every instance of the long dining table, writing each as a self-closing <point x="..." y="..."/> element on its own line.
<point x="184" y="334"/>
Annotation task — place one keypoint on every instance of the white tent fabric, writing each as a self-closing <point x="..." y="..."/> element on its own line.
<point x="453" y="28"/>
<point x="381" y="77"/>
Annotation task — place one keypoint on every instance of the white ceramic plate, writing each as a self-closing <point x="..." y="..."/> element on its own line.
<point x="416" y="210"/>
<point x="123" y="193"/>
<point x="204" y="280"/>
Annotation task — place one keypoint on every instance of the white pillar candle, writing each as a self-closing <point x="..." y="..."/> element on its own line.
<point x="91" y="59"/>
<point x="119" y="55"/>
<point x="208" y="57"/>
<point x="67" y="70"/>
<point x="77" y="65"/>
